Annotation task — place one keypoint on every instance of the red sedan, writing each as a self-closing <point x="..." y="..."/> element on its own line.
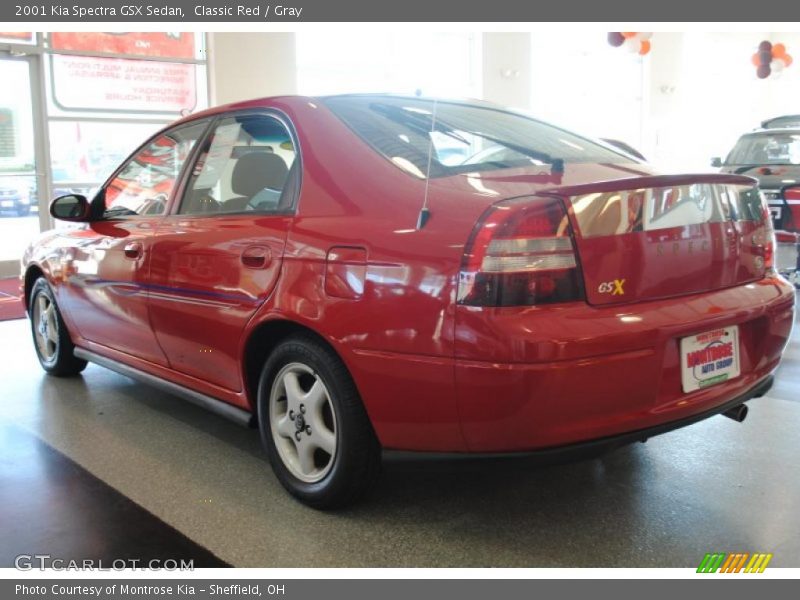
<point x="362" y="272"/>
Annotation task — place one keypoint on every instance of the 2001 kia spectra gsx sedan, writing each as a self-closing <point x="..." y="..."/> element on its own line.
<point x="354" y="273"/>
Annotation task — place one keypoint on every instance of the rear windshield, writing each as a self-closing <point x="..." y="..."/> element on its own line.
<point x="462" y="137"/>
<point x="766" y="149"/>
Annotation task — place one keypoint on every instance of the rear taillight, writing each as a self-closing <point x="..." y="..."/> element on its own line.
<point x="520" y="254"/>
<point x="764" y="244"/>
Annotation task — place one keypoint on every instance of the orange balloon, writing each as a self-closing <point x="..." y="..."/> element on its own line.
<point x="787" y="59"/>
<point x="628" y="34"/>
<point x="645" y="47"/>
<point x="756" y="60"/>
<point x="778" y="51"/>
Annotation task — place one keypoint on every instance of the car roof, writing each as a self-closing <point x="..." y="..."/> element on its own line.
<point x="782" y="122"/>
<point x="772" y="131"/>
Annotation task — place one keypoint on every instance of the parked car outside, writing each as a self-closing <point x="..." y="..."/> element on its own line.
<point x="309" y="267"/>
<point x="14" y="198"/>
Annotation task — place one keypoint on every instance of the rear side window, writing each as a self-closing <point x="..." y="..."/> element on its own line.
<point x="463" y="137"/>
<point x="248" y="165"/>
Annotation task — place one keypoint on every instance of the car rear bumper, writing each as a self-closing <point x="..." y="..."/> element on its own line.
<point x="576" y="373"/>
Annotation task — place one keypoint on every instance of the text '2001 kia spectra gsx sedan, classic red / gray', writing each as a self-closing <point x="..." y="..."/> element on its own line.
<point x="361" y="272"/>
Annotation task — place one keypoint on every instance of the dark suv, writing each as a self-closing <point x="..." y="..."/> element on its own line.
<point x="771" y="154"/>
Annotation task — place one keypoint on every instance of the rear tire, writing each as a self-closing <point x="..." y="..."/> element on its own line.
<point x="54" y="348"/>
<point x="314" y="427"/>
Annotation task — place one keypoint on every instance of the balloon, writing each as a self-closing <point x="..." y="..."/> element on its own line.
<point x="756" y="59"/>
<point x="645" y="35"/>
<point x="763" y="71"/>
<point x="787" y="60"/>
<point x="645" y="47"/>
<point x="765" y="57"/>
<point x="628" y="34"/>
<point x="777" y="65"/>
<point x="765" y="46"/>
<point x="616" y="39"/>
<point x="778" y="51"/>
<point x="633" y="45"/>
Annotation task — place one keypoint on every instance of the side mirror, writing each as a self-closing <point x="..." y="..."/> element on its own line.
<point x="71" y="207"/>
<point x="716" y="162"/>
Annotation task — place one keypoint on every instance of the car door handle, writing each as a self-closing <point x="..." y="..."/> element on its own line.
<point x="256" y="257"/>
<point x="133" y="250"/>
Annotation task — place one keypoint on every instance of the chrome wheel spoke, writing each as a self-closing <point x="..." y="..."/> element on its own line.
<point x="294" y="392"/>
<point x="286" y="428"/>
<point x="45" y="328"/>
<point x="325" y="439"/>
<point x="316" y="398"/>
<point x="305" y="455"/>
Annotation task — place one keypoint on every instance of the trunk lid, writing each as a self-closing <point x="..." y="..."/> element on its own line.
<point x="652" y="237"/>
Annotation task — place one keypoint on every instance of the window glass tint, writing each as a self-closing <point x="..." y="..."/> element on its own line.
<point x="245" y="167"/>
<point x="766" y="149"/>
<point x="145" y="184"/>
<point x="464" y="137"/>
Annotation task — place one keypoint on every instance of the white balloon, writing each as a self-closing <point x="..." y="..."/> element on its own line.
<point x="777" y="65"/>
<point x="645" y="35"/>
<point x="633" y="45"/>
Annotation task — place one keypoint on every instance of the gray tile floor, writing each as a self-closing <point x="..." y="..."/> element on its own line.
<point x="715" y="486"/>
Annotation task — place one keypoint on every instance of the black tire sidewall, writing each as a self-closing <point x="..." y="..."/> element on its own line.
<point x="341" y="391"/>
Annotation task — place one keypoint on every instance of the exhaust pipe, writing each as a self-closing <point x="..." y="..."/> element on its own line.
<point x="737" y="413"/>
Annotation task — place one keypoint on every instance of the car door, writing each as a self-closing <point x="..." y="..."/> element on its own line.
<point x="110" y="262"/>
<point x="218" y="256"/>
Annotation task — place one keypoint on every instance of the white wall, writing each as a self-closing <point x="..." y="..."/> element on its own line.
<point x="687" y="101"/>
<point x="507" y="69"/>
<point x="704" y="94"/>
<point x="250" y="65"/>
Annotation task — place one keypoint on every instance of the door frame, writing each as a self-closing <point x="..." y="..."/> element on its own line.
<point x="41" y="147"/>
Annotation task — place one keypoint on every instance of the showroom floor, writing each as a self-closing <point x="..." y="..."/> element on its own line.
<point x="83" y="457"/>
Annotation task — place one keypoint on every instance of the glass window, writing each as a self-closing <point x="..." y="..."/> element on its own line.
<point x="144" y="185"/>
<point x="83" y="155"/>
<point x="90" y="83"/>
<point x="246" y="166"/>
<point x="766" y="149"/>
<point x="162" y="44"/>
<point x="463" y="137"/>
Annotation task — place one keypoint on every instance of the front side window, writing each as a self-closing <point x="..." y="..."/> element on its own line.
<point x="145" y="184"/>
<point x="461" y="137"/>
<point x="246" y="166"/>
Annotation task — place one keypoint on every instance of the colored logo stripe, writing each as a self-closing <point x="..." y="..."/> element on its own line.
<point x="734" y="563"/>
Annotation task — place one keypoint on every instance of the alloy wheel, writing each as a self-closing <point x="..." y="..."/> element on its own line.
<point x="303" y="422"/>
<point x="45" y="327"/>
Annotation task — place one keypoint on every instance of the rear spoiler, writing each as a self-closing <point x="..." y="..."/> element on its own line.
<point x="651" y="181"/>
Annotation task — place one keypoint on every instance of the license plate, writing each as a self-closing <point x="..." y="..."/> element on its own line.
<point x="709" y="358"/>
<point x="7" y="203"/>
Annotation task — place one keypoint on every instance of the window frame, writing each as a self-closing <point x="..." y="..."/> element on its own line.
<point x="286" y="122"/>
<point x="98" y="202"/>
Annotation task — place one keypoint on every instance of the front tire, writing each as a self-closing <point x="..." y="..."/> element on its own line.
<point x="54" y="348"/>
<point x="314" y="427"/>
